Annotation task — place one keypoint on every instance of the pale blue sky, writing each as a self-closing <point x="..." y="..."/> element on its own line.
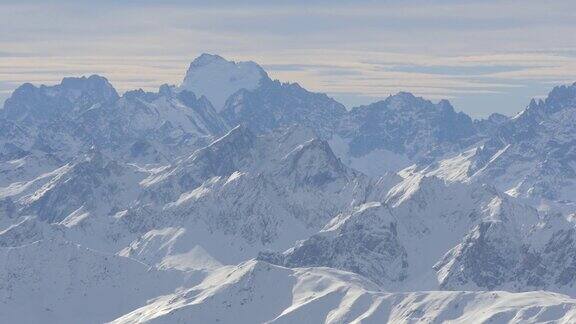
<point x="485" y="56"/>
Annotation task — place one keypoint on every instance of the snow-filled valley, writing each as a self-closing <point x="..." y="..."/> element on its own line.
<point x="235" y="198"/>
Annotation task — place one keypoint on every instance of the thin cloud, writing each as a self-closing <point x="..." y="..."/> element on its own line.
<point x="364" y="50"/>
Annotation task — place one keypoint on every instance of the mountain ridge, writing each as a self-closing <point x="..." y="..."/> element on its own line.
<point x="280" y="205"/>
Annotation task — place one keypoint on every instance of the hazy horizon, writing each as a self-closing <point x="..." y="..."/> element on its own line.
<point x="355" y="52"/>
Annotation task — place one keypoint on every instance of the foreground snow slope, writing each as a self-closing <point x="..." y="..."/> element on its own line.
<point x="257" y="292"/>
<point x="52" y="280"/>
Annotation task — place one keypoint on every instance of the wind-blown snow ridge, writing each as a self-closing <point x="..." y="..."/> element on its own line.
<point x="257" y="292"/>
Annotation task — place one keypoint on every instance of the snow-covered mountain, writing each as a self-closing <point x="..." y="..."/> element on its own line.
<point x="275" y="104"/>
<point x="244" y="193"/>
<point x="237" y="198"/>
<point x="52" y="280"/>
<point x="243" y="94"/>
<point x="81" y="113"/>
<point x="427" y="234"/>
<point x="217" y="79"/>
<point x="388" y="135"/>
<point x="401" y="130"/>
<point x="230" y="199"/>
<point x="531" y="156"/>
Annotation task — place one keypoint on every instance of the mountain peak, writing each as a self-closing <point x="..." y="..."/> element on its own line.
<point x="29" y="102"/>
<point x="404" y="99"/>
<point x="217" y="78"/>
<point x="205" y="59"/>
<point x="96" y="87"/>
<point x="404" y="95"/>
<point x="561" y="97"/>
<point x="93" y="79"/>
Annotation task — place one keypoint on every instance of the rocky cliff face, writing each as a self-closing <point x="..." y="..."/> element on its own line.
<point x="530" y="156"/>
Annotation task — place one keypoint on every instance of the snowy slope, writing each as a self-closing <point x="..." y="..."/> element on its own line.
<point x="257" y="292"/>
<point x="220" y="205"/>
<point x="244" y="193"/>
<point x="428" y="234"/>
<point x="52" y="280"/>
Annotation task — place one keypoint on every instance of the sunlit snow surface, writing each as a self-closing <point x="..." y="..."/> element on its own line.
<point x="217" y="79"/>
<point x="159" y="207"/>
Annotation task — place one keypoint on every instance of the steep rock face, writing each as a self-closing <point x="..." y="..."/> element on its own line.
<point x="488" y="127"/>
<point x="79" y="113"/>
<point x="275" y="104"/>
<point x="403" y="129"/>
<point x="495" y="256"/>
<point x="559" y="260"/>
<point x="427" y="234"/>
<point x="365" y="242"/>
<point x="487" y="253"/>
<point x="29" y="104"/>
<point x="530" y="156"/>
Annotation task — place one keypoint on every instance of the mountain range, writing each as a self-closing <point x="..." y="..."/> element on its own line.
<point x="232" y="197"/>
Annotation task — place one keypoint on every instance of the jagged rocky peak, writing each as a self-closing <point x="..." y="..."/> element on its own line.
<point x="225" y="155"/>
<point x="72" y="94"/>
<point x="364" y="241"/>
<point x="94" y="85"/>
<point x="410" y="102"/>
<point x="561" y="97"/>
<point x="407" y="125"/>
<point x="165" y="90"/>
<point x="314" y="163"/>
<point x="407" y="100"/>
<point x="489" y="126"/>
<point x="493" y="119"/>
<point x="217" y="78"/>
<point x="496" y="117"/>
<point x="404" y="100"/>
<point x="90" y="89"/>
<point x="275" y="104"/>
<point x="169" y="92"/>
